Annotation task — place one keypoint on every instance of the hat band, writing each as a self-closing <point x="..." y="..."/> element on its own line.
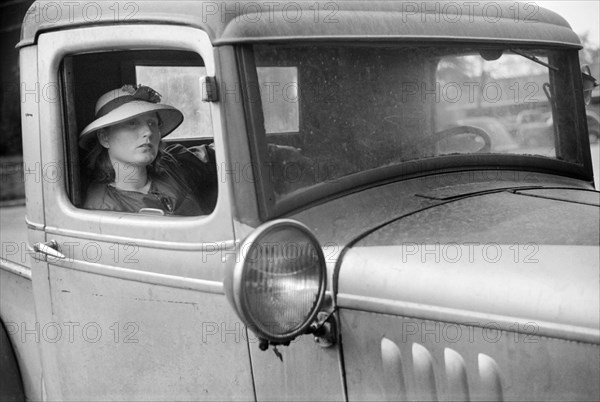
<point x="113" y="104"/>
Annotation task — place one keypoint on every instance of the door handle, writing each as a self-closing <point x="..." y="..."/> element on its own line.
<point x="48" y="248"/>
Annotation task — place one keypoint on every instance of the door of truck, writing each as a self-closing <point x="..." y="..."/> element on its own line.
<point x="135" y="310"/>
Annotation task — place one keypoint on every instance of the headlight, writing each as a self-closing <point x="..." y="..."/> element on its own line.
<point x="279" y="280"/>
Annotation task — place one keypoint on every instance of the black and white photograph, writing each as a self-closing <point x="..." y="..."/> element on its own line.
<point x="308" y="200"/>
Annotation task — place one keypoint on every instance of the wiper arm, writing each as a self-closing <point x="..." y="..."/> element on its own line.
<point x="474" y="190"/>
<point x="534" y="59"/>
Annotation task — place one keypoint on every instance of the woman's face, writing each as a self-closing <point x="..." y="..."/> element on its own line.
<point x="134" y="141"/>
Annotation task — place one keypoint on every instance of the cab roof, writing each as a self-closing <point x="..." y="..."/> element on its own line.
<point x="280" y="21"/>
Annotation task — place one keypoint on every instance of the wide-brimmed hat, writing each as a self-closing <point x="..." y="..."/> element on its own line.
<point x="129" y="101"/>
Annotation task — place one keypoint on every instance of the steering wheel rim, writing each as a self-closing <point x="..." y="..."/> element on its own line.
<point x="453" y="131"/>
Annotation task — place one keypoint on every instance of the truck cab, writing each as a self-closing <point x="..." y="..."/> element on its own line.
<point x="386" y="226"/>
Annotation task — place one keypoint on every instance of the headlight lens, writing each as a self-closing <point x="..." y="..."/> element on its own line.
<point x="280" y="280"/>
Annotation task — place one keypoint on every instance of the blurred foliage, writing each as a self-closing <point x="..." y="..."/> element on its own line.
<point x="590" y="54"/>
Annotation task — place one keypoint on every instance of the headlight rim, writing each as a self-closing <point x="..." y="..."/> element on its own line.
<point x="240" y="296"/>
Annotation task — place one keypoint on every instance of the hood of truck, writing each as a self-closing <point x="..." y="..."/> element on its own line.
<point x="478" y="252"/>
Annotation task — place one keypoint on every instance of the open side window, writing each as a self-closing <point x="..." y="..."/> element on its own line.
<point x="175" y="75"/>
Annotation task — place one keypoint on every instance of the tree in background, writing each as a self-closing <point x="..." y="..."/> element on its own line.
<point x="590" y="54"/>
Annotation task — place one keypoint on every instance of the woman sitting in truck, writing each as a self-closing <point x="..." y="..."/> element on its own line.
<point x="132" y="170"/>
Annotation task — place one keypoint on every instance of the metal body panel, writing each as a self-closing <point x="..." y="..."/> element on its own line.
<point x="248" y="21"/>
<point x="134" y="291"/>
<point x="132" y="340"/>
<point x="503" y="217"/>
<point x="237" y="169"/>
<point x="13" y="232"/>
<point x="34" y="171"/>
<point x="452" y="302"/>
<point x="381" y="22"/>
<point x="307" y="372"/>
<point x="378" y="206"/>
<point x="17" y="312"/>
<point x="402" y="358"/>
<point x="554" y="287"/>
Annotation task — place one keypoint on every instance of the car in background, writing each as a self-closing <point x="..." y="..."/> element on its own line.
<point x="535" y="128"/>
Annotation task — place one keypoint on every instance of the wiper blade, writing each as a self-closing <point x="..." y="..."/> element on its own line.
<point x="535" y="59"/>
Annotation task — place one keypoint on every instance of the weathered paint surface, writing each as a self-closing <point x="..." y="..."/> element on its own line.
<point x="402" y="358"/>
<point x="133" y="340"/>
<point x="17" y="312"/>
<point x="249" y="21"/>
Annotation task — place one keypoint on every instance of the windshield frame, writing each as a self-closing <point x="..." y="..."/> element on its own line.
<point x="270" y="207"/>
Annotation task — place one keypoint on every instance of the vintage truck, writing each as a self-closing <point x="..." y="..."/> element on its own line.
<point x="369" y="241"/>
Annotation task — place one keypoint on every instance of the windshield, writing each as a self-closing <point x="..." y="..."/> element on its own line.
<point x="333" y="112"/>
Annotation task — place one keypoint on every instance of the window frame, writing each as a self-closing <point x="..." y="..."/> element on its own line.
<point x="270" y="207"/>
<point x="65" y="218"/>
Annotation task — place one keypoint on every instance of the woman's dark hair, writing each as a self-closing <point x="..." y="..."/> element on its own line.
<point x="98" y="164"/>
<point x="101" y="170"/>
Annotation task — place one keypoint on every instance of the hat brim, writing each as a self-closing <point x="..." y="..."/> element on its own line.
<point x="171" y="119"/>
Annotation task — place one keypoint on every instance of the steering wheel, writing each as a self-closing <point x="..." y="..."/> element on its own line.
<point x="459" y="130"/>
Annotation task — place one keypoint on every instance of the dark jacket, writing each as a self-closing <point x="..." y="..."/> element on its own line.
<point x="187" y="185"/>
